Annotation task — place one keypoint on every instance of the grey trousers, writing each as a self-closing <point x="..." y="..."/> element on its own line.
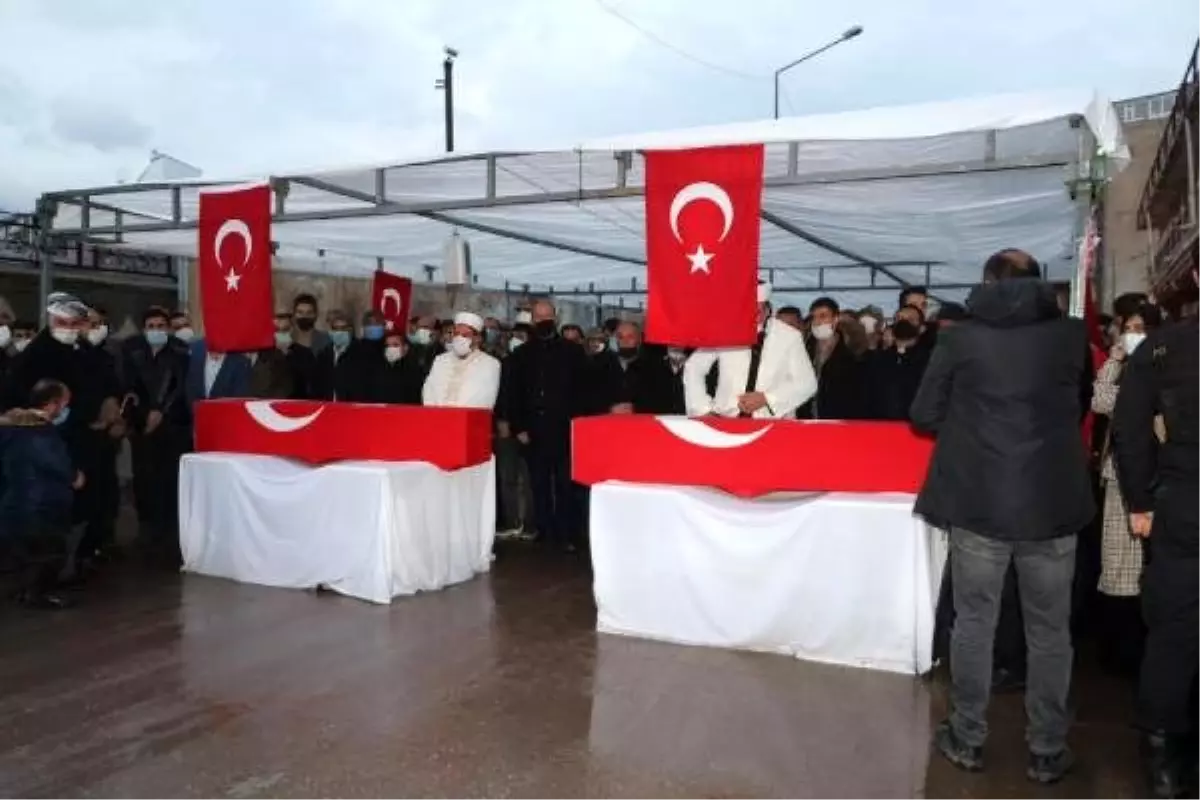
<point x="1045" y="570"/>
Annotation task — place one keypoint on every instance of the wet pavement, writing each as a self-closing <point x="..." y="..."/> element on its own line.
<point x="165" y="685"/>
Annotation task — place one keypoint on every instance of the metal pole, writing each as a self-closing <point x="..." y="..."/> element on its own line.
<point x="448" y="77"/>
<point x="44" y="217"/>
<point x="777" y="93"/>
<point x="1188" y="140"/>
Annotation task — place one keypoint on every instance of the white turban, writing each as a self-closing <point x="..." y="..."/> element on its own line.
<point x="66" y="306"/>
<point x="524" y="318"/>
<point x="473" y="321"/>
<point x="764" y="292"/>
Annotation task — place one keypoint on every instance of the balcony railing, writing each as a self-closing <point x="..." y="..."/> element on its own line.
<point x="1165" y="179"/>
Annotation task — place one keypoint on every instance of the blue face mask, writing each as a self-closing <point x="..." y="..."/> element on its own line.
<point x="156" y="338"/>
<point x="612" y="344"/>
<point x="372" y="333"/>
<point x="339" y="338"/>
<point x="491" y="335"/>
<point x="62" y="415"/>
<point x="514" y="343"/>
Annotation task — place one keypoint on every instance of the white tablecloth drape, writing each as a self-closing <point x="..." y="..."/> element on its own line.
<point x="371" y="530"/>
<point x="838" y="578"/>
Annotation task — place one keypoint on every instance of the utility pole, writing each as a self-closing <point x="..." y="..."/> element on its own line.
<point x="446" y="84"/>
<point x="845" y="37"/>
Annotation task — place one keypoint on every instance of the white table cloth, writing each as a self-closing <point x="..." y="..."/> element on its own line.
<point x="838" y="578"/>
<point x="371" y="530"/>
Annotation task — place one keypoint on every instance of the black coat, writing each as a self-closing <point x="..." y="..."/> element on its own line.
<point x="36" y="473"/>
<point x="1005" y="394"/>
<point x="649" y="384"/>
<point x="349" y="378"/>
<point x="302" y="363"/>
<point x="892" y="379"/>
<point x="840" y="385"/>
<point x="399" y="383"/>
<point x="547" y="387"/>
<point x="157" y="380"/>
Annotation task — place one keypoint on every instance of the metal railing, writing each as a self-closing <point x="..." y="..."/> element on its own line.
<point x="1171" y="146"/>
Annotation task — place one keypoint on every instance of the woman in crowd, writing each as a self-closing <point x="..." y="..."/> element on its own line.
<point x="1121" y="552"/>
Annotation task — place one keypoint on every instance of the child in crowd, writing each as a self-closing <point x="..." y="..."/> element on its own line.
<point x="37" y="480"/>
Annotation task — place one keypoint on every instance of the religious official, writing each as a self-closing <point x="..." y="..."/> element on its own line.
<point x="464" y="376"/>
<point x="768" y="380"/>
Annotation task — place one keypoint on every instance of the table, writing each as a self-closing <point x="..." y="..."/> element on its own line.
<point x="840" y="578"/>
<point x="370" y="530"/>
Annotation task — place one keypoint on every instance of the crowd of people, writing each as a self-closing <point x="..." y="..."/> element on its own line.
<point x="1005" y="398"/>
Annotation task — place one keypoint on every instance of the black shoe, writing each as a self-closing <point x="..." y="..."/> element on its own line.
<point x="955" y="751"/>
<point x="1050" y="769"/>
<point x="1006" y="681"/>
<point x="1162" y="768"/>
<point x="46" y="602"/>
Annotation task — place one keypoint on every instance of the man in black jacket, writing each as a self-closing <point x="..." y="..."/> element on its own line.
<point x="1160" y="481"/>
<point x="1005" y="394"/>
<point x="546" y="388"/>
<point x="344" y="369"/>
<point x="639" y="376"/>
<point x="840" y="374"/>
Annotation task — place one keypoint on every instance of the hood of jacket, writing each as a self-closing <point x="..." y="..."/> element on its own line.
<point x="23" y="418"/>
<point x="1013" y="303"/>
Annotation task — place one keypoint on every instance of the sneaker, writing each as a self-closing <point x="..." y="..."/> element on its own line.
<point x="1052" y="768"/>
<point x="955" y="751"/>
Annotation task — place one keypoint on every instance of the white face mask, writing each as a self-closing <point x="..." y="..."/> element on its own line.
<point x="185" y="335"/>
<point x="19" y="345"/>
<point x="822" y="332"/>
<point x="460" y="346"/>
<point x="97" y="334"/>
<point x="65" y="335"/>
<point x="393" y="353"/>
<point x="870" y="324"/>
<point x="5" y="336"/>
<point x="1131" y="340"/>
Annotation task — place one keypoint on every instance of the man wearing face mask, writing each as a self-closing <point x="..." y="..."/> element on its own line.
<point x="159" y="420"/>
<point x="548" y="388"/>
<point x="398" y="379"/>
<point x="894" y="374"/>
<point x="305" y="310"/>
<point x="300" y="361"/>
<point x="839" y="372"/>
<point x="768" y="380"/>
<point x="344" y="370"/>
<point x="181" y="327"/>
<point x="493" y="343"/>
<point x="643" y="376"/>
<point x="465" y="377"/>
<point x="424" y="342"/>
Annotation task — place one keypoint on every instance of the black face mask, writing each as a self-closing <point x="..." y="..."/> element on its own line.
<point x="545" y="329"/>
<point x="627" y="352"/>
<point x="305" y="323"/>
<point x="904" y="330"/>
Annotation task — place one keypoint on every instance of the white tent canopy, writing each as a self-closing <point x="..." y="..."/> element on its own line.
<point x="855" y="205"/>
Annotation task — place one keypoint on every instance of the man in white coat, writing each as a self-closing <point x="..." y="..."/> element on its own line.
<point x="464" y="376"/>
<point x="767" y="381"/>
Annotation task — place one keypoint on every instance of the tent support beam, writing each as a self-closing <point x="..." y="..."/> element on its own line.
<point x="449" y="219"/>
<point x="373" y="209"/>
<point x="601" y="293"/>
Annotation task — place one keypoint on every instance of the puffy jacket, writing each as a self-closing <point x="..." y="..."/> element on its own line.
<point x="1005" y="393"/>
<point x="35" y="473"/>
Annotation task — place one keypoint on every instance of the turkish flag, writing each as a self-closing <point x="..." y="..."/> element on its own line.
<point x="391" y="296"/>
<point x="702" y="231"/>
<point x="235" y="268"/>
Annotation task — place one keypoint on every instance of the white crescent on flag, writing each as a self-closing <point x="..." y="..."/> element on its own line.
<point x="262" y="412"/>
<point x="693" y="431"/>
<point x="702" y="190"/>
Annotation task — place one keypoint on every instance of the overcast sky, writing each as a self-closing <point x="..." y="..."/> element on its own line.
<point x="88" y="87"/>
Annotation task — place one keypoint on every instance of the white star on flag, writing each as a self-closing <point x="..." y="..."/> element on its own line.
<point x="700" y="260"/>
<point x="231" y="281"/>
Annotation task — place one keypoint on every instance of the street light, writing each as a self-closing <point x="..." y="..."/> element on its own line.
<point x="446" y="84"/>
<point x="845" y="37"/>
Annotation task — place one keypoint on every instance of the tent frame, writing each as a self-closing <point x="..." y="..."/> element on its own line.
<point x="1079" y="168"/>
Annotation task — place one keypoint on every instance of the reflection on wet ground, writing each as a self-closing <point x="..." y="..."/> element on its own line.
<point x="185" y="686"/>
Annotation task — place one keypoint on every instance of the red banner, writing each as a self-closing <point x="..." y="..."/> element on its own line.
<point x="702" y="237"/>
<point x="234" y="250"/>
<point x="391" y="296"/>
<point x="318" y="433"/>
<point x="748" y="457"/>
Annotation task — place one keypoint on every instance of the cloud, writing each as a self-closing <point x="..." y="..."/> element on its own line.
<point x="239" y="87"/>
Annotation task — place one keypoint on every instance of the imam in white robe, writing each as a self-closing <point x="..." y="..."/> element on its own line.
<point x="785" y="376"/>
<point x="471" y="382"/>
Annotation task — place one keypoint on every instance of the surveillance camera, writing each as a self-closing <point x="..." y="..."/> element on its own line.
<point x="450" y="51"/>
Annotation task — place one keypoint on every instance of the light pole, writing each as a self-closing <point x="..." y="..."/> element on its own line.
<point x="446" y="84"/>
<point x="845" y="37"/>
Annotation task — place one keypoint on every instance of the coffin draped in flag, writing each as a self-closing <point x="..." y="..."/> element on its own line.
<point x="235" y="268"/>
<point x="702" y="239"/>
<point x="391" y="296"/>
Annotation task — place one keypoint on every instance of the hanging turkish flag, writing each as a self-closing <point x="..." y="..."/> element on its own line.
<point x="235" y="268"/>
<point x="702" y="231"/>
<point x="391" y="296"/>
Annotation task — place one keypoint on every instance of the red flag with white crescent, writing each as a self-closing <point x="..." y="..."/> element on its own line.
<point x="391" y="296"/>
<point x="702" y="238"/>
<point x="235" y="268"/>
